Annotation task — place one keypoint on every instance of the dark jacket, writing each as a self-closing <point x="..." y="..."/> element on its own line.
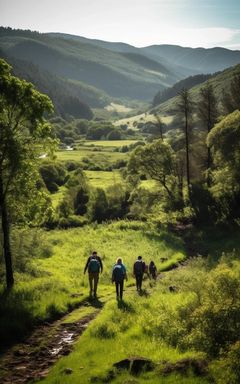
<point x="98" y="259"/>
<point x="118" y="273"/>
<point x="138" y="267"/>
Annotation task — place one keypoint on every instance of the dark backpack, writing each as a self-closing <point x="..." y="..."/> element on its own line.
<point x="118" y="272"/>
<point x="139" y="266"/>
<point x="93" y="266"/>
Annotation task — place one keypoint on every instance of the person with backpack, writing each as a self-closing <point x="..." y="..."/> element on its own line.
<point x="138" y="271"/>
<point x="94" y="266"/>
<point x="153" y="270"/>
<point x="119" y="273"/>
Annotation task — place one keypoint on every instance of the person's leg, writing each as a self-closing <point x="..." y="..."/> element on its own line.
<point x="121" y="289"/>
<point x="140" y="281"/>
<point x="117" y="289"/>
<point x="90" y="277"/>
<point x="96" y="277"/>
<point x="136" y="276"/>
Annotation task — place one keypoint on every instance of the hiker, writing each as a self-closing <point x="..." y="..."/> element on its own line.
<point x="119" y="273"/>
<point x="138" y="271"/>
<point x="146" y="271"/>
<point x="94" y="266"/>
<point x="152" y="270"/>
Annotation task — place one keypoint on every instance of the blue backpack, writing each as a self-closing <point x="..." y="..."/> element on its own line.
<point x="118" y="272"/>
<point x="93" y="266"/>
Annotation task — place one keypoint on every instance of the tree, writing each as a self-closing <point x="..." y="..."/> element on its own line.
<point x="185" y="110"/>
<point x="208" y="113"/>
<point x="231" y="99"/>
<point x="24" y="134"/>
<point x="156" y="161"/>
<point x="160" y="125"/>
<point x="224" y="141"/>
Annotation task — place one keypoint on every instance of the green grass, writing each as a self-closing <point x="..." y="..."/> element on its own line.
<point x="103" y="179"/>
<point x="57" y="197"/>
<point x="47" y="283"/>
<point x="120" y="332"/>
<point x="108" y="143"/>
<point x="143" y="118"/>
<point x="78" y="155"/>
<point x="150" y="325"/>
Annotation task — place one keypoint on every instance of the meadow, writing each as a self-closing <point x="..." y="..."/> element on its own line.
<point x="49" y="267"/>
<point x="78" y="155"/>
<point x="161" y="324"/>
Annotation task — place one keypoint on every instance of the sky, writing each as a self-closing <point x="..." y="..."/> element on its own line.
<point x="192" y="23"/>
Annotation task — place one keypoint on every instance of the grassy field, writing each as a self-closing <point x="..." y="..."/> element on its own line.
<point x="119" y="108"/>
<point x="158" y="324"/>
<point x="105" y="144"/>
<point x="78" y="155"/>
<point x="103" y="179"/>
<point x="143" y="118"/>
<point x="47" y="278"/>
<point x="118" y="332"/>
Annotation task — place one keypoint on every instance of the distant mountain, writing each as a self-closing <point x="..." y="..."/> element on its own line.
<point x="112" y="72"/>
<point x="96" y="72"/>
<point x="197" y="60"/>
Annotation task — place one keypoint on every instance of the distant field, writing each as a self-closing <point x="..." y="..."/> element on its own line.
<point x="142" y="118"/>
<point x="97" y="179"/>
<point x="103" y="179"/>
<point x="118" y="108"/>
<point x="109" y="143"/>
<point x="80" y="154"/>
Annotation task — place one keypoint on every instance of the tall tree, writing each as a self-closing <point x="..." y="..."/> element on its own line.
<point x="157" y="162"/>
<point x="23" y="135"/>
<point x="185" y="110"/>
<point x="160" y="125"/>
<point x="208" y="113"/>
<point x="231" y="98"/>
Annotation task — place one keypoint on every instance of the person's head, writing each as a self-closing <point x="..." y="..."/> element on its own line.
<point x="94" y="253"/>
<point x="151" y="262"/>
<point x="139" y="257"/>
<point x="119" y="260"/>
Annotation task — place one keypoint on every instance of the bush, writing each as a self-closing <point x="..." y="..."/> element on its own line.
<point x="53" y="174"/>
<point x="114" y="135"/>
<point x="228" y="368"/>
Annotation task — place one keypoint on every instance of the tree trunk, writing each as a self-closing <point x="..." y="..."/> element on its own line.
<point x="187" y="152"/>
<point x="6" y="239"/>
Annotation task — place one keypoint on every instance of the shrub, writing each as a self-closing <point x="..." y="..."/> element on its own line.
<point x="228" y="368"/>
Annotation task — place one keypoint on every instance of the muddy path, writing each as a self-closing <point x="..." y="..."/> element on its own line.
<point x="33" y="358"/>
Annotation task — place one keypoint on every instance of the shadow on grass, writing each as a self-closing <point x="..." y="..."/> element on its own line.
<point x="16" y="318"/>
<point x="95" y="302"/>
<point x="125" y="307"/>
<point x="143" y="292"/>
<point x="171" y="240"/>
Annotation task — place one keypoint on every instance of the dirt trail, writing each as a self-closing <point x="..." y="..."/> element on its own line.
<point x="33" y="358"/>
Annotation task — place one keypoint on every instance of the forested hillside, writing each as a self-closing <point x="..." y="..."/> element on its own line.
<point x="220" y="82"/>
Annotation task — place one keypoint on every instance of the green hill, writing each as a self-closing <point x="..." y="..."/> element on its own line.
<point x="220" y="83"/>
<point x="112" y="72"/>
<point x="197" y="60"/>
<point x="95" y="73"/>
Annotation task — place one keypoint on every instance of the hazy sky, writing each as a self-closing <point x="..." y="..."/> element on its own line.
<point x="138" y="22"/>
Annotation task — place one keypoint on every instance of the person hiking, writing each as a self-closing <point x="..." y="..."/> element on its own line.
<point x="138" y="271"/>
<point x="119" y="273"/>
<point x="152" y="270"/>
<point x="94" y="266"/>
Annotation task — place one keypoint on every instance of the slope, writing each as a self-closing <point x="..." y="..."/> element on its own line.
<point x="220" y="83"/>
<point x="112" y="72"/>
<point x="197" y="60"/>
